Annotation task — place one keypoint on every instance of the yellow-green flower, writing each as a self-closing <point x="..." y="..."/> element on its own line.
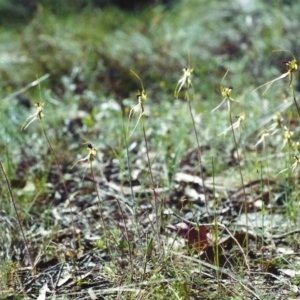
<point x="36" y="116"/>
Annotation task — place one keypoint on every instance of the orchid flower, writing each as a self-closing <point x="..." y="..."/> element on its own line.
<point x="90" y="157"/>
<point x="36" y="116"/>
<point x="235" y="125"/>
<point x="292" y="67"/>
<point x="185" y="80"/>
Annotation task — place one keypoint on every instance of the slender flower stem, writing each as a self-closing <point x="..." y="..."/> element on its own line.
<point x="100" y="205"/>
<point x="97" y="192"/>
<point x="17" y="215"/>
<point x="186" y="81"/>
<point x="127" y="238"/>
<point x="199" y="157"/>
<point x="241" y="175"/>
<point x="134" y="204"/>
<point x="140" y="107"/>
<point x="60" y="173"/>
<point x="295" y="100"/>
<point x="151" y="177"/>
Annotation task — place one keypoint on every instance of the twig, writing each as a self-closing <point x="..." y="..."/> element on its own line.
<point x="280" y="236"/>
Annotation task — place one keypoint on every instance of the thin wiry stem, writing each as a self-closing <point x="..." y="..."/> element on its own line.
<point x="100" y="205"/>
<point x="15" y="272"/>
<point x="185" y="81"/>
<point x="156" y="200"/>
<point x="97" y="192"/>
<point x="17" y="215"/>
<point x="199" y="150"/>
<point x="127" y="237"/>
<point x="38" y="115"/>
<point x="134" y="205"/>
<point x="295" y="100"/>
<point x="140" y="107"/>
<point x="61" y="175"/>
<point x="241" y="176"/>
<point x="90" y="158"/>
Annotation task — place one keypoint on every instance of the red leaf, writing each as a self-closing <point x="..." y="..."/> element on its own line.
<point x="195" y="235"/>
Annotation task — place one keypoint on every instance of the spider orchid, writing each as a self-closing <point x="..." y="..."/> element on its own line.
<point x="139" y="108"/>
<point x="36" y="116"/>
<point x="274" y="127"/>
<point x="296" y="163"/>
<point x="263" y="138"/>
<point x="237" y="124"/>
<point x="292" y="67"/>
<point x="185" y="80"/>
<point x="225" y="92"/>
<point x="90" y="157"/>
<point x="278" y="122"/>
<point x="287" y="135"/>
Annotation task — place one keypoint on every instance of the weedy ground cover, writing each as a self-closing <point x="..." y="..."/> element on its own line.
<point x="189" y="186"/>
